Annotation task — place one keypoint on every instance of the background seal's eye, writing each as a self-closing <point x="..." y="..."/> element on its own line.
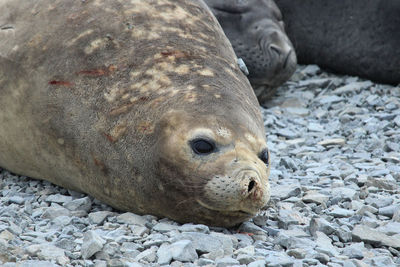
<point x="264" y="156"/>
<point x="202" y="146"/>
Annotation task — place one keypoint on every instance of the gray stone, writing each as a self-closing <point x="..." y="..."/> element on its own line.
<point x="79" y="204"/>
<point x="289" y="134"/>
<point x="226" y="261"/>
<point x="182" y="250"/>
<point x="315" y="197"/>
<point x="131" y="218"/>
<point x="98" y="217"/>
<point x="17" y="200"/>
<point x="148" y="255"/>
<point x="390" y="228"/>
<point x="165" y="227"/>
<point x="321" y="225"/>
<point x="92" y="243"/>
<point x="54" y="212"/>
<point x="276" y="259"/>
<point x="324" y="244"/>
<point x="34" y="263"/>
<point x="389" y="210"/>
<point x="201" y="228"/>
<point x="354" y="251"/>
<point x="57" y="198"/>
<point x="340" y="213"/>
<point x="374" y="237"/>
<point x="332" y="142"/>
<point x="258" y="263"/>
<point x="204" y="262"/>
<point x="245" y="259"/>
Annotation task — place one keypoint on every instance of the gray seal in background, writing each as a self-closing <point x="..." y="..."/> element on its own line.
<point x="257" y="34"/>
<point x="354" y="37"/>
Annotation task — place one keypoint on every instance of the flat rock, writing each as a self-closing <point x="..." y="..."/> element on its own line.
<point x="374" y="237"/>
<point x="131" y="218"/>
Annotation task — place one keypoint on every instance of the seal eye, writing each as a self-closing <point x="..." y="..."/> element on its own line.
<point x="202" y="146"/>
<point x="264" y="156"/>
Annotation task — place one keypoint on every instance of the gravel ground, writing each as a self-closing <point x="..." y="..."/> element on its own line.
<point x="335" y="184"/>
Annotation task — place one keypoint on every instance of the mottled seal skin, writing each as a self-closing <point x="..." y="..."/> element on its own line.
<point x="140" y="104"/>
<point x="256" y="31"/>
<point x="356" y="37"/>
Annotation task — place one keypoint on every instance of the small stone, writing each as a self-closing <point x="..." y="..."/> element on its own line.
<point x="374" y="237"/>
<point x="315" y="197"/>
<point x="92" y="243"/>
<point x="57" y="198"/>
<point x="131" y="218"/>
<point x="257" y="263"/>
<point x="275" y="259"/>
<point x="182" y="250"/>
<point x="149" y="255"/>
<point x="98" y="217"/>
<point x="354" y="251"/>
<point x="354" y="87"/>
<point x="226" y="261"/>
<point x="389" y="210"/>
<point x="17" y="200"/>
<point x="332" y="142"/>
<point x="311" y="70"/>
<point x="54" y="212"/>
<point x="290" y="134"/>
<point x="164" y="227"/>
<point x="321" y="225"/>
<point x="204" y="262"/>
<point x="340" y="213"/>
<point x="245" y="259"/>
<point x="201" y="228"/>
<point x="50" y="252"/>
<point x="79" y="204"/>
<point x="324" y="245"/>
<point x="390" y="228"/>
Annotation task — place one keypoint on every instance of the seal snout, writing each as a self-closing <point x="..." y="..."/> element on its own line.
<point x="250" y="186"/>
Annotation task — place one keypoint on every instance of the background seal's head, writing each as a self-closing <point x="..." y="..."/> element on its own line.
<point x="256" y="31"/>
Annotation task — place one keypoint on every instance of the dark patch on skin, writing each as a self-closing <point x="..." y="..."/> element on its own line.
<point x="62" y="83"/>
<point x="6" y="27"/>
<point x="109" y="138"/>
<point x="100" y="164"/>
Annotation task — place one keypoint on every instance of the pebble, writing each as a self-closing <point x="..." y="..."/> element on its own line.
<point x="335" y="190"/>
<point x="92" y="243"/>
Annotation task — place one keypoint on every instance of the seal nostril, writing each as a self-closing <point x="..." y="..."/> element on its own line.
<point x="251" y="186"/>
<point x="275" y="49"/>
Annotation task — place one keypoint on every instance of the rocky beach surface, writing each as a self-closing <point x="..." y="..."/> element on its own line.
<point x="335" y="185"/>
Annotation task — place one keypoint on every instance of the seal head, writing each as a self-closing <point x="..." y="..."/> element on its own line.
<point x="256" y="31"/>
<point x="212" y="165"/>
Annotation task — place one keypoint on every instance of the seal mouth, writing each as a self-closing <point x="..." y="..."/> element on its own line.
<point x="239" y="213"/>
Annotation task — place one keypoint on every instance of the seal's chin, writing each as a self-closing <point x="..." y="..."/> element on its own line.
<point x="231" y="213"/>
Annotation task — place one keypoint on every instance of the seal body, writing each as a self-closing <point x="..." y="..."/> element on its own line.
<point x="256" y="31"/>
<point x="356" y="37"/>
<point x="138" y="103"/>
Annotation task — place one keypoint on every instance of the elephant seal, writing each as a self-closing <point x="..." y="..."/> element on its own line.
<point x="140" y="104"/>
<point x="256" y="32"/>
<point x="355" y="37"/>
